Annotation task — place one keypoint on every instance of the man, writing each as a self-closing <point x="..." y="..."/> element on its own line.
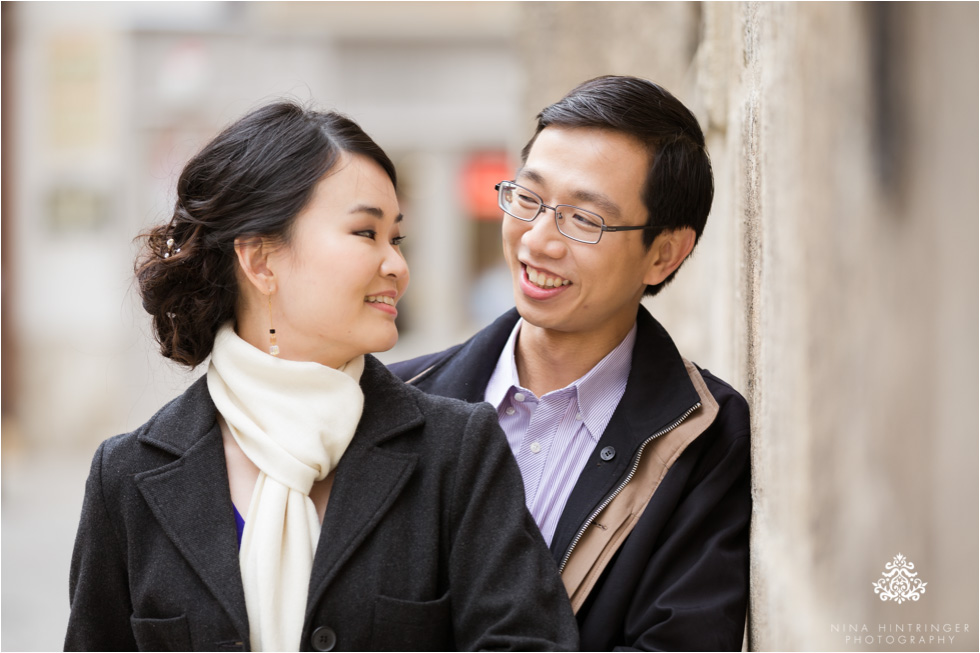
<point x="635" y="462"/>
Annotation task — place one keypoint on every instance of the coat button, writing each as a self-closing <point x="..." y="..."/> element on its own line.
<point x="324" y="639"/>
<point x="607" y="453"/>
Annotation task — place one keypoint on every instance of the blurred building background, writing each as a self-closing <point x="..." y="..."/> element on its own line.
<point x="836" y="284"/>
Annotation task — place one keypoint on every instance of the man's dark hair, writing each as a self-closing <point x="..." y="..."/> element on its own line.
<point x="679" y="186"/>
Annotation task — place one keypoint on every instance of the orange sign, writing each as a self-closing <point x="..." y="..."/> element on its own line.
<point x="479" y="175"/>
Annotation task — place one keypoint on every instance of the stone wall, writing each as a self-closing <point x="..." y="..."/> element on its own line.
<point x="835" y="287"/>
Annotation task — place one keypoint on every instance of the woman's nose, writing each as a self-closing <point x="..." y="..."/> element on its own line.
<point x="394" y="264"/>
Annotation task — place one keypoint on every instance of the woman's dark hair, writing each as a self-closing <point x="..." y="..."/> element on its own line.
<point x="251" y="180"/>
<point x="679" y="185"/>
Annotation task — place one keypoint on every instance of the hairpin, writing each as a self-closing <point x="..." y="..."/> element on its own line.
<point x="170" y="248"/>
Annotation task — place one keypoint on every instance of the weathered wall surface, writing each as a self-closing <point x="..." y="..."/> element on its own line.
<point x="836" y="285"/>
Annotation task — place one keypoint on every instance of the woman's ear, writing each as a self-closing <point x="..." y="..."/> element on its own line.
<point x="667" y="252"/>
<point x="254" y="264"/>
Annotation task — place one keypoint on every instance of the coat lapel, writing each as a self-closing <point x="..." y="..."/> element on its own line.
<point x="190" y="497"/>
<point x="465" y="373"/>
<point x="369" y="477"/>
<point x="658" y="392"/>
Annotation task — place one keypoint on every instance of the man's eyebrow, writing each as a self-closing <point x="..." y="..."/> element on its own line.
<point x="606" y="206"/>
<point x="374" y="212"/>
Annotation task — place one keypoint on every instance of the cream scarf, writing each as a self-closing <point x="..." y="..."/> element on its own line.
<point x="294" y="420"/>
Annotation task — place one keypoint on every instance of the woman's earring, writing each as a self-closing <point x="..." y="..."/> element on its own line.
<point x="273" y="347"/>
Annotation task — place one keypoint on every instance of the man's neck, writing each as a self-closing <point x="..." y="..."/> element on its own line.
<point x="549" y="360"/>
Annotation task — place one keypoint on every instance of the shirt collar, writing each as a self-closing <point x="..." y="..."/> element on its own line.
<point x="504" y="375"/>
<point x="598" y="392"/>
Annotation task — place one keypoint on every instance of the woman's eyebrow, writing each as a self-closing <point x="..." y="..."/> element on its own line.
<point x="374" y="211"/>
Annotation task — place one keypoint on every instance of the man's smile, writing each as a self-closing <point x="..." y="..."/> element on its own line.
<point x="543" y="279"/>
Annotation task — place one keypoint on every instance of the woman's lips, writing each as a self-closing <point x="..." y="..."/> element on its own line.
<point x="384" y="303"/>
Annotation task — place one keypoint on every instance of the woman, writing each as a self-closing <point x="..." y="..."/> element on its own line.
<point x="281" y="262"/>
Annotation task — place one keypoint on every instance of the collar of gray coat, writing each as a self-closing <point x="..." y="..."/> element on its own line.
<point x="390" y="408"/>
<point x="189" y="497"/>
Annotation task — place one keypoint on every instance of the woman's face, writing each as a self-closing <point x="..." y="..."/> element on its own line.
<point x="342" y="273"/>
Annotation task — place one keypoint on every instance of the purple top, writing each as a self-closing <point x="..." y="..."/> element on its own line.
<point x="239" y="525"/>
<point x="553" y="437"/>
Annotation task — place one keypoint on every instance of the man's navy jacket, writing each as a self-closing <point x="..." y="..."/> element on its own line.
<point x="653" y="543"/>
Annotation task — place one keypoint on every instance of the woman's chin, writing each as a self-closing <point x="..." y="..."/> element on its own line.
<point x="388" y="343"/>
<point x="380" y="342"/>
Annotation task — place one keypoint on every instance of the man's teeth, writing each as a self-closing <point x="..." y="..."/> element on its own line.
<point x="381" y="299"/>
<point x="542" y="280"/>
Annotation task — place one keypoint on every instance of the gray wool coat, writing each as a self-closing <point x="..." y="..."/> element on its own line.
<point x="425" y="545"/>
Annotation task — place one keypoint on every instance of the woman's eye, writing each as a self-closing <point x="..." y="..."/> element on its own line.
<point x="367" y="233"/>
<point x="397" y="240"/>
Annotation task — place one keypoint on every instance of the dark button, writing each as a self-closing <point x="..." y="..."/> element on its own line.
<point x="324" y="639"/>
<point x="607" y="453"/>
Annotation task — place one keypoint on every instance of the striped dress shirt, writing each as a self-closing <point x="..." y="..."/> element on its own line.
<point x="553" y="436"/>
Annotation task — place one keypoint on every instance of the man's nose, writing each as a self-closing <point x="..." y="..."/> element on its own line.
<point x="543" y="236"/>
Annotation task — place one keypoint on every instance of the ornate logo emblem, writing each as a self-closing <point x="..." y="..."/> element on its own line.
<point x="899" y="583"/>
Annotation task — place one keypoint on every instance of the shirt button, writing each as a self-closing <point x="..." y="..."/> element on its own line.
<point x="519" y="396"/>
<point x="324" y="639"/>
<point x="510" y="410"/>
<point x="535" y="447"/>
<point x="607" y="453"/>
<point x="578" y="416"/>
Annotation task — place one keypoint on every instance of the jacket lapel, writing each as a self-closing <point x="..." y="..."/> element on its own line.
<point x="658" y="393"/>
<point x="190" y="497"/>
<point x="466" y="373"/>
<point x="369" y="477"/>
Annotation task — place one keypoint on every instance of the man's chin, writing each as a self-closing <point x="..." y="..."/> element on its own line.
<point x="543" y="317"/>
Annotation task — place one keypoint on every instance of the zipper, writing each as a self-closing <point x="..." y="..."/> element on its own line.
<point x="629" y="477"/>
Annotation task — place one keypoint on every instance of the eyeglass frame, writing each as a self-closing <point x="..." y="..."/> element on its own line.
<point x="603" y="227"/>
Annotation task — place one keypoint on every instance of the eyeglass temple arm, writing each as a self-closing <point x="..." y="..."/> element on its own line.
<point x="649" y="226"/>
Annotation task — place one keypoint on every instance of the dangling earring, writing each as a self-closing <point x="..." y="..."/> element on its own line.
<point x="273" y="347"/>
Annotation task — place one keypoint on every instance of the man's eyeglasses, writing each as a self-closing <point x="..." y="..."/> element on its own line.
<point x="575" y="223"/>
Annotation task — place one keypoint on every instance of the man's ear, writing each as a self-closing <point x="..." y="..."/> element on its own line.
<point x="667" y="252"/>
<point x="254" y="264"/>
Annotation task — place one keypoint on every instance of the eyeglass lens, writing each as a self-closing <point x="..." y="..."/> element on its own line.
<point x="573" y="222"/>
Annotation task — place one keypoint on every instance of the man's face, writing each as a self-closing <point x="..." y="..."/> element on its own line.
<point x="566" y="286"/>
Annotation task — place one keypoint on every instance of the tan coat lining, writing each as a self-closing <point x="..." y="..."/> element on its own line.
<point x="608" y="531"/>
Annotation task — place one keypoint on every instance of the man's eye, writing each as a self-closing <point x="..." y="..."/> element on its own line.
<point x="584" y="220"/>
<point x="527" y="200"/>
<point x="367" y="233"/>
